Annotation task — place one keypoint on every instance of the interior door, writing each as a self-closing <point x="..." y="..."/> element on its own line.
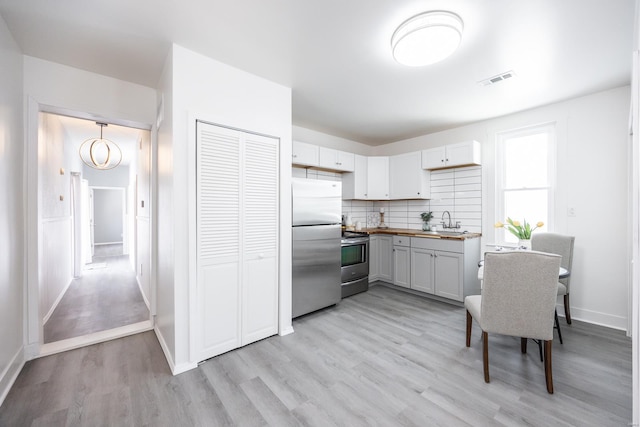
<point x="91" y="225"/>
<point x="237" y="238"/>
<point x="87" y="247"/>
<point x="76" y="212"/>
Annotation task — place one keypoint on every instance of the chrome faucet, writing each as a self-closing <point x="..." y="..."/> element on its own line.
<point x="444" y="225"/>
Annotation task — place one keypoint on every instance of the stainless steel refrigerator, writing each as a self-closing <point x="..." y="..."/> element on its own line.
<point x="317" y="209"/>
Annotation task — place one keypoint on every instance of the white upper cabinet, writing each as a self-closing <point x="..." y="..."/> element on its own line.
<point x="407" y="179"/>
<point x="336" y="160"/>
<point x="453" y="155"/>
<point x="378" y="178"/>
<point x="304" y="154"/>
<point x="354" y="184"/>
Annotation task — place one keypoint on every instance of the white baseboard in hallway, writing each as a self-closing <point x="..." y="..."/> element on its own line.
<point x="10" y="373"/>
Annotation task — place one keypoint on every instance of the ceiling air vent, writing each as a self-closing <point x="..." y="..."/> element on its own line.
<point x="497" y="78"/>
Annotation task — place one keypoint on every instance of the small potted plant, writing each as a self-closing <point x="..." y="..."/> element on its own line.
<point x="426" y="218"/>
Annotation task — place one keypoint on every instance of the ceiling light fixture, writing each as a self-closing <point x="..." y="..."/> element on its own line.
<point x="100" y="153"/>
<point x="427" y="38"/>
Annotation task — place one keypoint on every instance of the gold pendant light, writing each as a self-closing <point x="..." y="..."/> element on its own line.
<point x="100" y="153"/>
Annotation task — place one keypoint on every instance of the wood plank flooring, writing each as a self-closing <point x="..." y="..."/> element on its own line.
<point x="104" y="298"/>
<point x="381" y="358"/>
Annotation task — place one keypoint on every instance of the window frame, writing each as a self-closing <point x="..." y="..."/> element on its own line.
<point x="550" y="128"/>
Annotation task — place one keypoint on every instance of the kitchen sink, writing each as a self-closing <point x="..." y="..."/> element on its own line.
<point x="446" y="233"/>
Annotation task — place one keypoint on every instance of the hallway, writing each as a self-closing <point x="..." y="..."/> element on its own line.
<point x="107" y="296"/>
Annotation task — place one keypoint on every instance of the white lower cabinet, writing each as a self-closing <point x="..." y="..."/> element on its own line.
<point x="237" y="239"/>
<point x="445" y="268"/>
<point x="422" y="267"/>
<point x="448" y="275"/>
<point x="402" y="261"/>
<point x="381" y="258"/>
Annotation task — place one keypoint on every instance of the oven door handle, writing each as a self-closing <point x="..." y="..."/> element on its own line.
<point x="355" y="241"/>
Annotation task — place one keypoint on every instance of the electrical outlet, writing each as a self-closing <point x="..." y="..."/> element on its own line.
<point x="571" y="211"/>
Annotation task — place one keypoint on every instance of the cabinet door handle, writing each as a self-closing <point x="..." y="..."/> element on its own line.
<point x="294" y="155"/>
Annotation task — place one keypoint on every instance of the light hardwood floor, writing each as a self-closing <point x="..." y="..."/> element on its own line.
<point x="383" y="358"/>
<point x="103" y="298"/>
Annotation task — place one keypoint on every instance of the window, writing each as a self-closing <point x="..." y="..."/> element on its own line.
<point x="525" y="177"/>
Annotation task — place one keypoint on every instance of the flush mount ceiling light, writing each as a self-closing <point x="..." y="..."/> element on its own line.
<point x="100" y="153"/>
<point x="426" y="38"/>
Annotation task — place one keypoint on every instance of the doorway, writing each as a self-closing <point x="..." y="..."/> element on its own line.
<point x="95" y="282"/>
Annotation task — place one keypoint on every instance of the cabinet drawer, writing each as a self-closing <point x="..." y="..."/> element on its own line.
<point x="401" y="241"/>
<point x="438" y="244"/>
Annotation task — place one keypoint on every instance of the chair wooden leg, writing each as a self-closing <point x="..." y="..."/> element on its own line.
<point x="485" y="355"/>
<point x="540" y="349"/>
<point x="523" y="345"/>
<point x="547" y="366"/>
<point x="469" y="321"/>
<point x="567" y="311"/>
<point x="557" y="323"/>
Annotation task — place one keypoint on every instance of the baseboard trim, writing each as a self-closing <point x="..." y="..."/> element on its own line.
<point x="175" y="369"/>
<point x="595" y="317"/>
<point x="144" y="297"/>
<point x="56" y="302"/>
<point x="286" y="331"/>
<point x="95" y="338"/>
<point x="10" y="373"/>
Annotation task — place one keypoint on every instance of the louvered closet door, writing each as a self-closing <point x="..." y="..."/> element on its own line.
<point x="218" y="229"/>
<point x="260" y="239"/>
<point x="237" y="238"/>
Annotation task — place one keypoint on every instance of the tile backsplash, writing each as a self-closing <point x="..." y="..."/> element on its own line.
<point x="457" y="190"/>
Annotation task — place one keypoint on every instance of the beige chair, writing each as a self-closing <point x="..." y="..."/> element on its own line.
<point x="518" y="299"/>
<point x="562" y="245"/>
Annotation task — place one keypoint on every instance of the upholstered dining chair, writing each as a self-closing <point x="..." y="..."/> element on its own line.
<point x="518" y="299"/>
<point x="562" y="245"/>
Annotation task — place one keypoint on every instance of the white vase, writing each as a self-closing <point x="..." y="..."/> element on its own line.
<point x="524" y="244"/>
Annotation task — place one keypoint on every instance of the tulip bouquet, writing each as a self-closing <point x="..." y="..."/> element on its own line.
<point x="521" y="230"/>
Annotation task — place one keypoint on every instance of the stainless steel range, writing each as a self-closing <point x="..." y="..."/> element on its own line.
<point x="355" y="263"/>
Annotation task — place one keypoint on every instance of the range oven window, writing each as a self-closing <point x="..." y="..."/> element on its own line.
<point x="353" y="254"/>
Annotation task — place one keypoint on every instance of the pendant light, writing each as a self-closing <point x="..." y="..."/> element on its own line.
<point x="427" y="38"/>
<point x="100" y="153"/>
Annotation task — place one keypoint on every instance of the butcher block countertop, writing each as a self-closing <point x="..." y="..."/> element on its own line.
<point x="427" y="234"/>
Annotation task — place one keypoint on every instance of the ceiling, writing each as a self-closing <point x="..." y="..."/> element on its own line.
<point x="336" y="57"/>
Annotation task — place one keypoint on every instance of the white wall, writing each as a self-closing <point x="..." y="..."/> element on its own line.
<point x="11" y="212"/>
<point x="57" y="88"/>
<point x="325" y="140"/>
<point x="592" y="166"/>
<point x="55" y="164"/>
<point x="116" y="177"/>
<point x="195" y="86"/>
<point x="108" y="206"/>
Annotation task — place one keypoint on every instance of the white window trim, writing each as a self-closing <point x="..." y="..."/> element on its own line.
<point x="501" y="137"/>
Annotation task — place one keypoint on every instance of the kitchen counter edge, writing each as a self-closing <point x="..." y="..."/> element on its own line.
<point x="417" y="233"/>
